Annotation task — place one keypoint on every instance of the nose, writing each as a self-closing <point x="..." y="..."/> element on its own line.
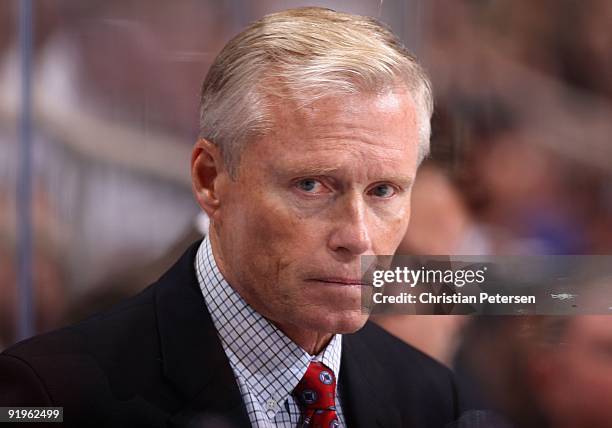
<point x="350" y="235"/>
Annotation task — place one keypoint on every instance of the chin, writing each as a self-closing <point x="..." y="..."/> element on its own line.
<point x="343" y="323"/>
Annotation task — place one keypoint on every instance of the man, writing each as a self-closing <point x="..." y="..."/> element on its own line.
<point x="541" y="371"/>
<point x="312" y="126"/>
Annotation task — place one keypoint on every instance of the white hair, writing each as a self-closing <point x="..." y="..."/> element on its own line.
<point x="305" y="54"/>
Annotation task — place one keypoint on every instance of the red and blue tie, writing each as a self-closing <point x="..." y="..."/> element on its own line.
<point x="316" y="394"/>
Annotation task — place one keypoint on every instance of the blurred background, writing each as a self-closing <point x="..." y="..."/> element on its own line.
<point x="521" y="148"/>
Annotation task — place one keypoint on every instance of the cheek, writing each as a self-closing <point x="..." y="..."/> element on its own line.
<point x="389" y="230"/>
<point x="265" y="238"/>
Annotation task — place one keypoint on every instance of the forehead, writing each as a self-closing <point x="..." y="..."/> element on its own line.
<point x="350" y="110"/>
<point x="377" y="130"/>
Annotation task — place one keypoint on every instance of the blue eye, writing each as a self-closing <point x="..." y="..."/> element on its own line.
<point x="307" y="185"/>
<point x="383" y="191"/>
<point x="310" y="185"/>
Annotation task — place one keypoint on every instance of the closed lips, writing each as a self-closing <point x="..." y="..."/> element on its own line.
<point x="343" y="281"/>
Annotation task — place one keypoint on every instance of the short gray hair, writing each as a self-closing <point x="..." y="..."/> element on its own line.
<point x="306" y="54"/>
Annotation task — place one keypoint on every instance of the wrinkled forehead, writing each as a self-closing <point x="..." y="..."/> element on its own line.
<point x="377" y="111"/>
<point x="371" y="133"/>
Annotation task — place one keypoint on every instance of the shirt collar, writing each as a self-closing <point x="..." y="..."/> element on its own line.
<point x="269" y="362"/>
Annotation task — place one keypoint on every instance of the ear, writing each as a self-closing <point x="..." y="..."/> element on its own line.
<point x="206" y="170"/>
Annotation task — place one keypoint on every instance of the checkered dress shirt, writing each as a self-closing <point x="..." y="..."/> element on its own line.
<point x="266" y="363"/>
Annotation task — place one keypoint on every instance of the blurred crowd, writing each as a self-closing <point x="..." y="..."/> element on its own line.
<point x="521" y="164"/>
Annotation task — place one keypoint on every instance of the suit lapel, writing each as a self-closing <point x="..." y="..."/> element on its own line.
<point x="193" y="359"/>
<point x="195" y="364"/>
<point x="364" y="387"/>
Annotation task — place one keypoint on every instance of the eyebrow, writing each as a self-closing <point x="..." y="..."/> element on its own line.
<point x="314" y="171"/>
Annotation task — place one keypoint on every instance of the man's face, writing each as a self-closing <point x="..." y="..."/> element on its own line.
<point x="583" y="378"/>
<point x="329" y="184"/>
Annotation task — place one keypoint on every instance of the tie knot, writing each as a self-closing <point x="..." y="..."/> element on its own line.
<point x="317" y="389"/>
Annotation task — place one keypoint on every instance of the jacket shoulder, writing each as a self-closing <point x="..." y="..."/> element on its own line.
<point x="422" y="388"/>
<point x="396" y="353"/>
<point x="21" y="385"/>
<point x="89" y="367"/>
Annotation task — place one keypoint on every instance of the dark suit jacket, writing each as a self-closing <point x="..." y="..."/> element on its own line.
<point x="155" y="360"/>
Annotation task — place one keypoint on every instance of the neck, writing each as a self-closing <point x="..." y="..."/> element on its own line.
<point x="310" y="341"/>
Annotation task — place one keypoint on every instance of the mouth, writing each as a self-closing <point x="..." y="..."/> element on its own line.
<point x="346" y="282"/>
